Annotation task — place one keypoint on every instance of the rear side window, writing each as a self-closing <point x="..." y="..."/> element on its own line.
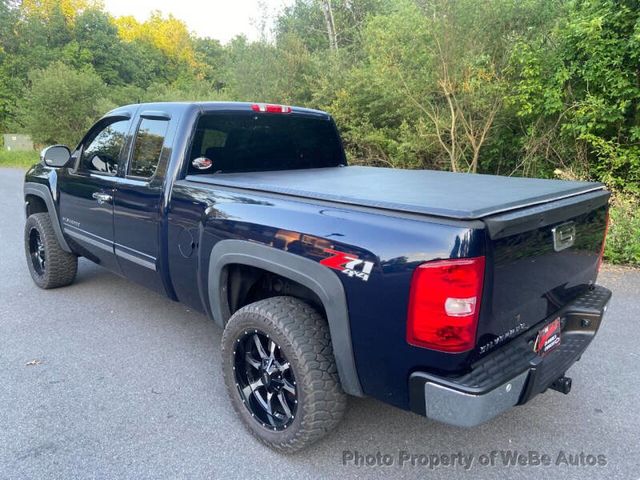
<point x="101" y="151"/>
<point x="148" y="147"/>
<point x="245" y="142"/>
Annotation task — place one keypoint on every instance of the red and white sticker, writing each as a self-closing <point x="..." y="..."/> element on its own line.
<point x="348" y="264"/>
<point x="548" y="338"/>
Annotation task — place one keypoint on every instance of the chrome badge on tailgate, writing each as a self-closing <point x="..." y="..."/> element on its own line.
<point x="564" y="236"/>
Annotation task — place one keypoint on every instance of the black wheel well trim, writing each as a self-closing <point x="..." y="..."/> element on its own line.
<point x="323" y="282"/>
<point x="43" y="192"/>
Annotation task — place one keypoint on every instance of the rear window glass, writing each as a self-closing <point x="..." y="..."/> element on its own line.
<point x="245" y="142"/>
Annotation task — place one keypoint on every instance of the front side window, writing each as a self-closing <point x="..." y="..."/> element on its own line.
<point x="101" y="152"/>
<point x="148" y="147"/>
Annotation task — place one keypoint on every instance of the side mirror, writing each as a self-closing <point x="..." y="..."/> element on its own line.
<point x="56" y="156"/>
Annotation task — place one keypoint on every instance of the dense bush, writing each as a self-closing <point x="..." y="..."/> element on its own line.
<point x="623" y="241"/>
<point x="62" y="104"/>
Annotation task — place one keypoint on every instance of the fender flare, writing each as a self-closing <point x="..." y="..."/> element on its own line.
<point x="43" y="192"/>
<point x="323" y="282"/>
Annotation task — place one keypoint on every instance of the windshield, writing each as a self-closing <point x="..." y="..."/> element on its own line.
<point x="250" y="142"/>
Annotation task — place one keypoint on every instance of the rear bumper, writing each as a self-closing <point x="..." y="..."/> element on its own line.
<point x="511" y="375"/>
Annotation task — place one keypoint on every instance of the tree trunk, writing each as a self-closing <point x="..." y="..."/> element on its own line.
<point x="327" y="11"/>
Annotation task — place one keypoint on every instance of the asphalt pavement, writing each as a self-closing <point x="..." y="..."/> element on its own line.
<point x="104" y="379"/>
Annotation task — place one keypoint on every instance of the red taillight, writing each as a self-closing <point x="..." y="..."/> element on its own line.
<point x="270" y="108"/>
<point x="604" y="241"/>
<point x="444" y="304"/>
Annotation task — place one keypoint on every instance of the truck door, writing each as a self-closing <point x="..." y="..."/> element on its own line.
<point x="86" y="192"/>
<point x="138" y="201"/>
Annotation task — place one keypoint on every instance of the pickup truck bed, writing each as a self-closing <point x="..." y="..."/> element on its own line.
<point x="451" y="195"/>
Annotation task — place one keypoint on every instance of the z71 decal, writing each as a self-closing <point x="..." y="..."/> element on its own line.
<point x="348" y="264"/>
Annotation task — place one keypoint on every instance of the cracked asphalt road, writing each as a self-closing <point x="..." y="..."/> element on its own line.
<point x="104" y="379"/>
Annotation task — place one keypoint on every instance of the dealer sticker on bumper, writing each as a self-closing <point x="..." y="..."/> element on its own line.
<point x="548" y="338"/>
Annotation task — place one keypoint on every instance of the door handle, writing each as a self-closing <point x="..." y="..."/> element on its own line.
<point x="102" y="198"/>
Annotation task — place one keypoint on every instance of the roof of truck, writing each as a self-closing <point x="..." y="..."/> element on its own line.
<point x="211" y="106"/>
<point x="461" y="196"/>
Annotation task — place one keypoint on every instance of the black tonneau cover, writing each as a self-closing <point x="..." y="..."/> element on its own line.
<point x="445" y="194"/>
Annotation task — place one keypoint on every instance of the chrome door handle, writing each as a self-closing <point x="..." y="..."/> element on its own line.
<point x="102" y="198"/>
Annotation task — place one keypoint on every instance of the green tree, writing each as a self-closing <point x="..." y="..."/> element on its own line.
<point x="97" y="37"/>
<point x="8" y="41"/>
<point x="210" y="56"/>
<point x="430" y="90"/>
<point x="62" y="103"/>
<point x="330" y="24"/>
<point x="582" y="85"/>
<point x="601" y="47"/>
<point x="258" y="71"/>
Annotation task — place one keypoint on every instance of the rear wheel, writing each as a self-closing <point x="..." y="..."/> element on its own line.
<point x="50" y="266"/>
<point x="280" y="372"/>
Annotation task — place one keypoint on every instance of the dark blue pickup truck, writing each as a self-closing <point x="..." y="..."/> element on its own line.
<point x="456" y="296"/>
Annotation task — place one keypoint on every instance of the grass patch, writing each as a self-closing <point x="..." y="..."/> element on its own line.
<point x="18" y="159"/>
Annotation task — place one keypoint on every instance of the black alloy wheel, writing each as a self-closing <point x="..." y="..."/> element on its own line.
<point x="280" y="372"/>
<point x="265" y="380"/>
<point x="36" y="251"/>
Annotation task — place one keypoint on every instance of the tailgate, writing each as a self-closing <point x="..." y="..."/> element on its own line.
<point x="539" y="259"/>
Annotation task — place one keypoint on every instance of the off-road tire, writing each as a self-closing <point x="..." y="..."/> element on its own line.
<point x="60" y="267"/>
<point x="303" y="337"/>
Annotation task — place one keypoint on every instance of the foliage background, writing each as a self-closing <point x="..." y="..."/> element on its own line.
<point x="546" y="88"/>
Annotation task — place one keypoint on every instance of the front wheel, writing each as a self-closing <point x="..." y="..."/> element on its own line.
<point x="280" y="372"/>
<point x="50" y="266"/>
